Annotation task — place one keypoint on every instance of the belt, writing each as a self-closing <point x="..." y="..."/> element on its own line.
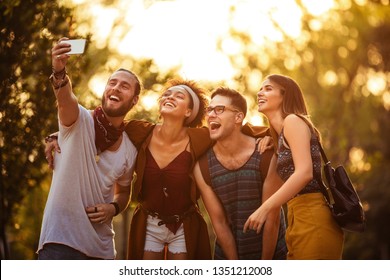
<point x="169" y="219"/>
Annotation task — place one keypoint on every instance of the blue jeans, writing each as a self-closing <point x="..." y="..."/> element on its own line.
<point x="55" y="251"/>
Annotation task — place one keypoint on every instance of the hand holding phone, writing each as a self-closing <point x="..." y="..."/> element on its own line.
<point x="77" y="46"/>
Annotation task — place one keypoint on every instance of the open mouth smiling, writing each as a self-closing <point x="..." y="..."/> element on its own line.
<point x="214" y="125"/>
<point x="169" y="104"/>
<point x="114" y="98"/>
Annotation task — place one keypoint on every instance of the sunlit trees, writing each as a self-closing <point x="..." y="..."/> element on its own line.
<point x="28" y="111"/>
<point x="341" y="60"/>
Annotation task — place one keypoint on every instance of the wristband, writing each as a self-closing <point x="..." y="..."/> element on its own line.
<point x="50" y="138"/>
<point x="60" y="74"/>
<point x="58" y="84"/>
<point x="116" y="205"/>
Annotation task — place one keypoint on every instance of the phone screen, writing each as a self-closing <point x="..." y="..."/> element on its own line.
<point x="77" y="46"/>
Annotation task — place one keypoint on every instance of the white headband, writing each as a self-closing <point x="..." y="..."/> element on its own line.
<point x="195" y="100"/>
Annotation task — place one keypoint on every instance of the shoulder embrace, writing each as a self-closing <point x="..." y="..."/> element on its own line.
<point x="137" y="123"/>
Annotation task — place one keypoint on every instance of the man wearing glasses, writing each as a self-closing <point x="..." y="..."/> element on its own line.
<point x="231" y="178"/>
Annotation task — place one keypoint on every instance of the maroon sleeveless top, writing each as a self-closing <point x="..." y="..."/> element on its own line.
<point x="167" y="190"/>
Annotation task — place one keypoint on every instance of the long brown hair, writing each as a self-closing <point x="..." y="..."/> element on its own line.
<point x="293" y="99"/>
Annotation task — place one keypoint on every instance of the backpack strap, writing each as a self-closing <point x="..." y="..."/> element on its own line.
<point x="265" y="160"/>
<point x="204" y="168"/>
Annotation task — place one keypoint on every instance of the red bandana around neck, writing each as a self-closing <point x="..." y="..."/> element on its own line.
<point x="105" y="133"/>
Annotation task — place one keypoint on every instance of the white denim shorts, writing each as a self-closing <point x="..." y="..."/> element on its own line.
<point x="159" y="236"/>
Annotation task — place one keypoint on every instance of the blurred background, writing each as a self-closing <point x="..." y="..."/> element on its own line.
<point x="337" y="50"/>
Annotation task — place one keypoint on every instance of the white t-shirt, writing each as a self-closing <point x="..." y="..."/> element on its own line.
<point x="79" y="181"/>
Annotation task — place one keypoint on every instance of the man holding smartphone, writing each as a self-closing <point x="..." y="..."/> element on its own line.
<point x="76" y="46"/>
<point x="91" y="182"/>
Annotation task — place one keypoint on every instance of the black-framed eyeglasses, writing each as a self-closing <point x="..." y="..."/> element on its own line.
<point x="219" y="109"/>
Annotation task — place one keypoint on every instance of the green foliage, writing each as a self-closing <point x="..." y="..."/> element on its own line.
<point x="28" y="109"/>
<point x="334" y="65"/>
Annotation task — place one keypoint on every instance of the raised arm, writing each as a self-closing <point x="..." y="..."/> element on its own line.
<point x="217" y="215"/>
<point x="67" y="102"/>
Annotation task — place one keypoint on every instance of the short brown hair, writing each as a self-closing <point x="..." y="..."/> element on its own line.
<point x="237" y="99"/>
<point x="138" y="86"/>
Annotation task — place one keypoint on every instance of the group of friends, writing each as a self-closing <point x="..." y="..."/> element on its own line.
<point x="229" y="165"/>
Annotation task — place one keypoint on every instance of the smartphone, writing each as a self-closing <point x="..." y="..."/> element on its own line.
<point x="77" y="46"/>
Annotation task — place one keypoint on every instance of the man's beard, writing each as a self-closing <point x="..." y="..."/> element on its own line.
<point x="121" y="111"/>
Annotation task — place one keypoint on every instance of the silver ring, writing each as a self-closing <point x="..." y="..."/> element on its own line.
<point x="95" y="209"/>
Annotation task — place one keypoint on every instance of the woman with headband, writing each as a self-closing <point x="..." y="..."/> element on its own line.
<point x="167" y="223"/>
<point x="167" y="215"/>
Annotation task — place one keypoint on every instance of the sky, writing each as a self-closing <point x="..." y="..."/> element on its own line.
<point x="185" y="33"/>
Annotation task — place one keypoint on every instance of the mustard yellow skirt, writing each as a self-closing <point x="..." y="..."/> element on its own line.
<point x="312" y="233"/>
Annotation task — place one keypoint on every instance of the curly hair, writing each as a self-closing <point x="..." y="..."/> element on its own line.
<point x="199" y="91"/>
